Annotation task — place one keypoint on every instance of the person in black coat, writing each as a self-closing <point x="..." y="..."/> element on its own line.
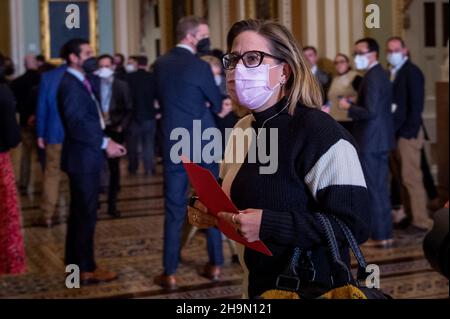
<point x="26" y="106"/>
<point x="408" y="100"/>
<point x="142" y="128"/>
<point x="188" y="96"/>
<point x="83" y="156"/>
<point x="9" y="130"/>
<point x="116" y="104"/>
<point x="374" y="134"/>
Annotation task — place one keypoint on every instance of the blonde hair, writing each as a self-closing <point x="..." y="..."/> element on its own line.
<point x="302" y="86"/>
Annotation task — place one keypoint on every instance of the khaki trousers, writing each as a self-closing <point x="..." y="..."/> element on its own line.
<point x="414" y="196"/>
<point x="52" y="177"/>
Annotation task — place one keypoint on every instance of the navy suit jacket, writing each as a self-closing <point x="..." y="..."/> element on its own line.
<point x="372" y="114"/>
<point x="409" y="96"/>
<point x="82" y="147"/>
<point x="185" y="84"/>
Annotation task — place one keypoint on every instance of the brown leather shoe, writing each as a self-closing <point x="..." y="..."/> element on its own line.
<point x="98" y="276"/>
<point x="166" y="282"/>
<point x="211" y="272"/>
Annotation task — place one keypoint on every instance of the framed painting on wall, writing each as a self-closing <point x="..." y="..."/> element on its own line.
<point x="62" y="20"/>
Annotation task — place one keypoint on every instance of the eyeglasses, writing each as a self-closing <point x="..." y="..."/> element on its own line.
<point x="251" y="59"/>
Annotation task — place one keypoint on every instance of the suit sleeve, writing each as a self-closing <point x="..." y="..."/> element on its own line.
<point x="211" y="90"/>
<point x="74" y="115"/>
<point x="370" y="98"/>
<point x="42" y="108"/>
<point x="416" y="97"/>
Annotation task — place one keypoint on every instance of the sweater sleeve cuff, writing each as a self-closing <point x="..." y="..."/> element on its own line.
<point x="271" y="225"/>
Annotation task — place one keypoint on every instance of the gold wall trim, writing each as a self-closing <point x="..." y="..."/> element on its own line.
<point x="45" y="27"/>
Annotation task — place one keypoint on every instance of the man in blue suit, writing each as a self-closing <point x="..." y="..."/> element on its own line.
<point x="83" y="155"/>
<point x="374" y="133"/>
<point x="187" y="92"/>
<point x="50" y="134"/>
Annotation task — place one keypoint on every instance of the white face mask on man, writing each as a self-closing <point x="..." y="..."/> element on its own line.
<point x="396" y="58"/>
<point x="253" y="85"/>
<point x="130" y="68"/>
<point x="105" y="73"/>
<point x="361" y="62"/>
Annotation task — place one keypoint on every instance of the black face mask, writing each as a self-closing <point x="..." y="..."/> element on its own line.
<point x="204" y="46"/>
<point x="90" y="65"/>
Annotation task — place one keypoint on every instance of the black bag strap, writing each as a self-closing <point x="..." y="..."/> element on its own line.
<point x="343" y="274"/>
<point x="359" y="256"/>
<point x="292" y="278"/>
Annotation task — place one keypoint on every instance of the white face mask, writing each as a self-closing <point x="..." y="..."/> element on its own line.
<point x="105" y="73"/>
<point x="253" y="86"/>
<point x="361" y="62"/>
<point x="130" y="68"/>
<point x="218" y="79"/>
<point x="395" y="59"/>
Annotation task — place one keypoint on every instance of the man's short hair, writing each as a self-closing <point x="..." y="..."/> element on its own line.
<point x="310" y="48"/>
<point x="399" y="39"/>
<point x="72" y="47"/>
<point x="371" y="43"/>
<point x="106" y="56"/>
<point x="188" y="25"/>
<point x="141" y="60"/>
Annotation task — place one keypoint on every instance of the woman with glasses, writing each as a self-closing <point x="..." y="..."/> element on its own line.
<point x="344" y="85"/>
<point x="318" y="167"/>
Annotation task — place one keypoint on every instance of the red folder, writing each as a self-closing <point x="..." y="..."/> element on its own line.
<point x="212" y="196"/>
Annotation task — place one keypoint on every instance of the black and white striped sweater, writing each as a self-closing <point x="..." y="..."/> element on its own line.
<point x="318" y="171"/>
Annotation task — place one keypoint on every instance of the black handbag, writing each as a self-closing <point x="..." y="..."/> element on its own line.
<point x="298" y="280"/>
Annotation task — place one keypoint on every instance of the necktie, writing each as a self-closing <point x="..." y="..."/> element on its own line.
<point x="91" y="92"/>
<point x="393" y="75"/>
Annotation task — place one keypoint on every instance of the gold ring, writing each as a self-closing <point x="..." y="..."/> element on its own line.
<point x="195" y="218"/>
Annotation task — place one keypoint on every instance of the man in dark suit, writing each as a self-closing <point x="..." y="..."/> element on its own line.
<point x="323" y="77"/>
<point x="142" y="128"/>
<point x="187" y="92"/>
<point x="373" y="131"/>
<point x="83" y="155"/>
<point x="116" y="106"/>
<point x="408" y="104"/>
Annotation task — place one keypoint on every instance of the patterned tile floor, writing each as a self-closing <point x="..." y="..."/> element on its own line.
<point x="132" y="246"/>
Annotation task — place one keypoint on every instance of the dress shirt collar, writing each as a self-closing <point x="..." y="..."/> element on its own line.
<point x="80" y="76"/>
<point x="185" y="46"/>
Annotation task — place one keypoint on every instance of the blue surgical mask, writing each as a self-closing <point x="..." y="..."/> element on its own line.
<point x="395" y="59"/>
